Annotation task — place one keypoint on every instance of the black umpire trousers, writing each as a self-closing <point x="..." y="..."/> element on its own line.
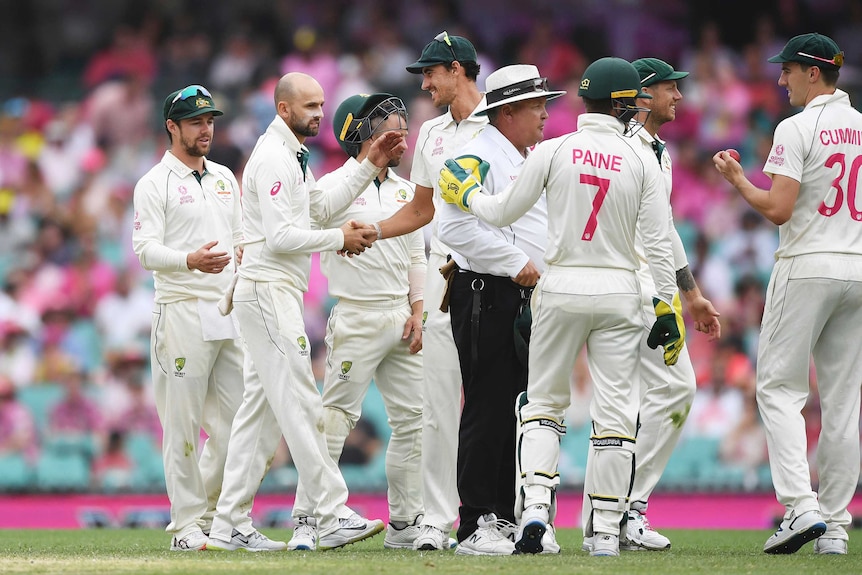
<point x="483" y="309"/>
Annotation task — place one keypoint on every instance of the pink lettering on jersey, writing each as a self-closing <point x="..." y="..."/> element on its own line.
<point x="841" y="136"/>
<point x="776" y="159"/>
<point x="276" y="187"/>
<point x="597" y="159"/>
<point x="185" y="198"/>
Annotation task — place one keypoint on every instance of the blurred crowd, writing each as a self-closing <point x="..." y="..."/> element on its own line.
<point x="76" y="135"/>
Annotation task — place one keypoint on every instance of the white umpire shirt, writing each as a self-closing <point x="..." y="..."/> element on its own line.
<point x="484" y="248"/>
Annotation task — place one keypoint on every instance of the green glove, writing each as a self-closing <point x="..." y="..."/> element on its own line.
<point x="461" y="178"/>
<point x="668" y="329"/>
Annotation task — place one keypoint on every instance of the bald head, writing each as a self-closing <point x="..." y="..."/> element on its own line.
<point x="299" y="102"/>
<point x="292" y="85"/>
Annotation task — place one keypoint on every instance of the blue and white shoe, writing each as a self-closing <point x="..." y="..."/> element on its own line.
<point x="534" y="525"/>
<point x="794" y="532"/>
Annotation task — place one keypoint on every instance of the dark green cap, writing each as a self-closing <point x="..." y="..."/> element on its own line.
<point x="444" y="49"/>
<point x="611" y="78"/>
<point x="652" y="71"/>
<point x="811" y="49"/>
<point x="189" y="102"/>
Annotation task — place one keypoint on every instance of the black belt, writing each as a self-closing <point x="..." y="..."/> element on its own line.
<point x="477" y="284"/>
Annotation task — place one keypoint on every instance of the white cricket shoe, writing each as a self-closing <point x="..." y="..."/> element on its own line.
<point x="352" y="530"/>
<point x="486" y="539"/>
<point x="605" y="545"/>
<point x="794" y="532"/>
<point x="830" y="546"/>
<point x="401" y="538"/>
<point x="531" y="533"/>
<point x="431" y="538"/>
<point x="194" y="541"/>
<point x="549" y="542"/>
<point x="255" y="541"/>
<point x="508" y="529"/>
<point x="640" y="534"/>
<point x="304" y="535"/>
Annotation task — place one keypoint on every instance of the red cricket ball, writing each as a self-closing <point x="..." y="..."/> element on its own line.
<point x="733" y="154"/>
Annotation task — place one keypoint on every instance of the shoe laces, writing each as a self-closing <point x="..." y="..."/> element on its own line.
<point x="354" y="520"/>
<point x="507" y="529"/>
<point x="645" y="521"/>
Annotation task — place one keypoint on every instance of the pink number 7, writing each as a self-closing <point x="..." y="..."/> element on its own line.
<point x="603" y="184"/>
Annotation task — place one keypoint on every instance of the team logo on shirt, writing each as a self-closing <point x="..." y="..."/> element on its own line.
<point x="777" y="159"/>
<point x="438" y="146"/>
<point x="303" y="345"/>
<point x="276" y="187"/>
<point x="137" y="224"/>
<point x="345" y="367"/>
<point x="179" y="363"/>
<point x="401" y="196"/>
<point x="424" y="319"/>
<point x="223" y="191"/>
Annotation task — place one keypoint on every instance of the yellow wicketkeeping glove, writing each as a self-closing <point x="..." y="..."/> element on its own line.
<point x="668" y="329"/>
<point x="461" y="178"/>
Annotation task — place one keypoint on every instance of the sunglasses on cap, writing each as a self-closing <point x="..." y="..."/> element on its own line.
<point x="534" y="85"/>
<point x="444" y="38"/>
<point x="186" y="93"/>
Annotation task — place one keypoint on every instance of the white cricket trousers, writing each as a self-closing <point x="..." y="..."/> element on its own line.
<point x="279" y="357"/>
<point x="441" y="406"/>
<point x="813" y="307"/>
<point x="363" y="341"/>
<point x="667" y="392"/>
<point x="197" y="385"/>
<point x="609" y="323"/>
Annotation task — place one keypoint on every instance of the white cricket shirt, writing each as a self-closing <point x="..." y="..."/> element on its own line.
<point x="278" y="238"/>
<point x="379" y="273"/>
<point x="175" y="215"/>
<point x="598" y="185"/>
<point x="439" y="139"/>
<point x="821" y="147"/>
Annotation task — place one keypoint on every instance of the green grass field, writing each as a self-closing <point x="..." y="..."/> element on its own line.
<point x="144" y="552"/>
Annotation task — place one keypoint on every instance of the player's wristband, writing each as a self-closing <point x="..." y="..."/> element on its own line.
<point x="378" y="230"/>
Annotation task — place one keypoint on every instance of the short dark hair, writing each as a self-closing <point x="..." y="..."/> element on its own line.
<point x="830" y="77"/>
<point x="471" y="69"/>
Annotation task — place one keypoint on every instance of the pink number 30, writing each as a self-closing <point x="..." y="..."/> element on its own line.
<point x="830" y="211"/>
<point x="603" y="184"/>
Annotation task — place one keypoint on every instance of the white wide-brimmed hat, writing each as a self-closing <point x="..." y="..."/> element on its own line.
<point x="513" y="84"/>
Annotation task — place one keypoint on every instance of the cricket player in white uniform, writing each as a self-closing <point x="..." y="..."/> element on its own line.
<point x="187" y="226"/>
<point x="280" y="388"/>
<point x="375" y="328"/>
<point x="814" y="298"/>
<point x="449" y="69"/>
<point x="666" y="391"/>
<point x="497" y="270"/>
<point x="600" y="186"/>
